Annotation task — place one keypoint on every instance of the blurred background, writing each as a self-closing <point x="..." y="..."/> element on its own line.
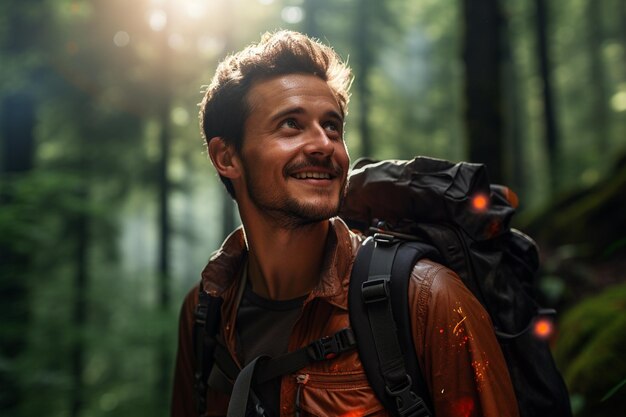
<point x="109" y="207"/>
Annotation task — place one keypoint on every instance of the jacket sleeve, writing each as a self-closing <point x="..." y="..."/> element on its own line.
<point x="183" y="404"/>
<point x="457" y="348"/>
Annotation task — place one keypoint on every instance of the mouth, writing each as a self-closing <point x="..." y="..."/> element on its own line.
<point x="314" y="173"/>
<point x="308" y="175"/>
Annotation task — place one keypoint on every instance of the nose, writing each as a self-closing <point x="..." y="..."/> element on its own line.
<point x="318" y="142"/>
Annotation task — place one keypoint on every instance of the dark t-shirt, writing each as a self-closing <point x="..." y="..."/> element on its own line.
<point x="263" y="328"/>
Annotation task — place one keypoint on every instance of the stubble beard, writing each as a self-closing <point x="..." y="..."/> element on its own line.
<point x="288" y="212"/>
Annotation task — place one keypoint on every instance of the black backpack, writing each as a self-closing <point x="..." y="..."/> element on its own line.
<point x="423" y="208"/>
<point x="430" y="208"/>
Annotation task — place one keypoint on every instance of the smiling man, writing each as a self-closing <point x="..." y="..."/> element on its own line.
<point x="273" y="120"/>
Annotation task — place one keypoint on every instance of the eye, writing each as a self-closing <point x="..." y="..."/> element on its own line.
<point x="289" y="123"/>
<point x="333" y="126"/>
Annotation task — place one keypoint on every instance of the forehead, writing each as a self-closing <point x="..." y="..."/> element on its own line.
<point x="292" y="90"/>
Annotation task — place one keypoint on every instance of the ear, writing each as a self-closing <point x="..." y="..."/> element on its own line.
<point x="224" y="158"/>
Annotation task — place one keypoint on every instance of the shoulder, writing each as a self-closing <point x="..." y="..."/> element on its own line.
<point x="455" y="341"/>
<point x="438" y="282"/>
<point x="438" y="299"/>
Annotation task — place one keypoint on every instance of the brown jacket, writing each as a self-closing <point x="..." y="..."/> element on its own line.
<point x="455" y="343"/>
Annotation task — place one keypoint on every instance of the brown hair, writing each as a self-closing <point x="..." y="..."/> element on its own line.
<point x="224" y="108"/>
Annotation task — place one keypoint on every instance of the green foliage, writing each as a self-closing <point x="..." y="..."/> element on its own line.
<point x="589" y="353"/>
<point x="105" y="85"/>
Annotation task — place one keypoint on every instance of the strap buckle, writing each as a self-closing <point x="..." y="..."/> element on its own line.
<point x="375" y="290"/>
<point x="385" y="239"/>
<point x="200" y="314"/>
<point x="329" y="347"/>
<point x="407" y="402"/>
<point x="202" y="309"/>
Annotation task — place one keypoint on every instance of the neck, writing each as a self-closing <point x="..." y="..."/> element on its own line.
<point x="285" y="263"/>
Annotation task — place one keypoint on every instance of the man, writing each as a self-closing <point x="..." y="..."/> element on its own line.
<point x="273" y="120"/>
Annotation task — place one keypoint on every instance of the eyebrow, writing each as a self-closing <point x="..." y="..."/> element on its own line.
<point x="300" y="110"/>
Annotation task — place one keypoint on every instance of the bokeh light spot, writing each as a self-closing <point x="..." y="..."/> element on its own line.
<point x="543" y="328"/>
<point x="121" y="39"/>
<point x="480" y="202"/>
<point x="209" y="46"/>
<point x="180" y="116"/>
<point x="590" y="176"/>
<point x="463" y="407"/>
<point x="109" y="401"/>
<point x="195" y="9"/>
<point x="511" y="197"/>
<point x="618" y="101"/>
<point x="292" y="14"/>
<point x="75" y="7"/>
<point x="157" y="20"/>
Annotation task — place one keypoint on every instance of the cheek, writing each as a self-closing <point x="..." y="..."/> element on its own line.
<point x="343" y="158"/>
<point x="270" y="158"/>
<point x="274" y="150"/>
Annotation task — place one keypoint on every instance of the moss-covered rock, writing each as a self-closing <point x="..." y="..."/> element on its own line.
<point x="590" y="352"/>
<point x="592" y="219"/>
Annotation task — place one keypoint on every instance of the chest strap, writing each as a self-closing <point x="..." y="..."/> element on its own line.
<point x="225" y="370"/>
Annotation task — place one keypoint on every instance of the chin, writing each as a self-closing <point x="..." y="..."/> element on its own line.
<point x="314" y="211"/>
<point x="322" y="206"/>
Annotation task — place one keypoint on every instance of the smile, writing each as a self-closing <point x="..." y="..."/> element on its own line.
<point x="312" y="175"/>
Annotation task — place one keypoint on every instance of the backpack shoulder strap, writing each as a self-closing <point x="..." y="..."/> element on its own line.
<point x="382" y="328"/>
<point x="205" y="328"/>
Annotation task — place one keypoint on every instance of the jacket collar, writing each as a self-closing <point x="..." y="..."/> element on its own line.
<point x="225" y="265"/>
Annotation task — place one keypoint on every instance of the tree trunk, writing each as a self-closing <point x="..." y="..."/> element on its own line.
<point x="163" y="285"/>
<point x="17" y="121"/>
<point x="550" y="128"/>
<point x="482" y="58"/>
<point x="79" y="314"/>
<point x="310" y="25"/>
<point x="17" y="149"/>
<point x="514" y="158"/>
<point x="163" y="282"/>
<point x="599" y="111"/>
<point x="362" y="66"/>
<point x="621" y="18"/>
<point x="164" y="217"/>
<point x="17" y="152"/>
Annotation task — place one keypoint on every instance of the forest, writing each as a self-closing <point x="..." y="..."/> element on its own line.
<point x="110" y="208"/>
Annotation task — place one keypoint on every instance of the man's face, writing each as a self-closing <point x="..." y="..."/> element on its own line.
<point x="294" y="158"/>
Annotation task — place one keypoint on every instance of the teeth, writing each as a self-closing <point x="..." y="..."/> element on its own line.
<point x="316" y="175"/>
